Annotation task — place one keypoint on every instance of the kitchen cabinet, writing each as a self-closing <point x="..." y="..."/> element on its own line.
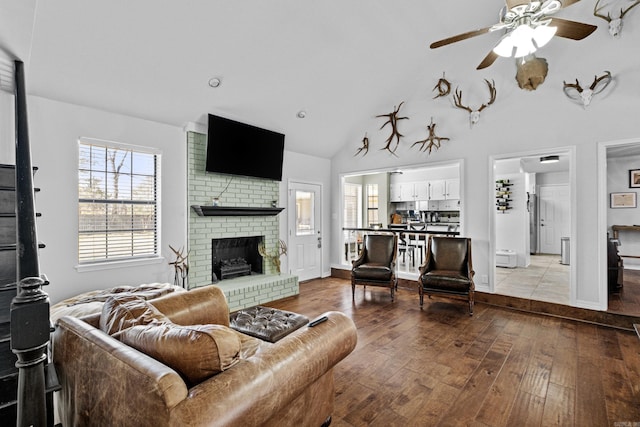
<point x="449" y="205"/>
<point x="409" y="191"/>
<point x="394" y="193"/>
<point x="452" y="189"/>
<point x="437" y="190"/>
<point x="444" y="189"/>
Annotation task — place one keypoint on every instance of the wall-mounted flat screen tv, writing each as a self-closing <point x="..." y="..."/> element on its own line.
<point x="237" y="148"/>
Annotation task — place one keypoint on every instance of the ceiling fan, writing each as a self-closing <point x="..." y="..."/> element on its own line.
<point x="528" y="27"/>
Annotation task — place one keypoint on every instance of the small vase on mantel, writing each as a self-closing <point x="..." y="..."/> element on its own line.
<point x="215" y="201"/>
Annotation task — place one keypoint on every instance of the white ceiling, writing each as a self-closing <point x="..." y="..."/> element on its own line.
<point x="340" y="61"/>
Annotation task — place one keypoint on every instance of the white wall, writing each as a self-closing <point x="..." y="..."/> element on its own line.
<point x="54" y="131"/>
<point x="519" y="121"/>
<point x="7" y="133"/>
<point x="512" y="226"/>
<point x="310" y="169"/>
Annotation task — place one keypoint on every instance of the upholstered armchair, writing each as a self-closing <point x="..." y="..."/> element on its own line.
<point x="376" y="265"/>
<point x="447" y="270"/>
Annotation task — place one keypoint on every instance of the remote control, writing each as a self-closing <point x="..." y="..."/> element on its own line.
<point x="318" y="321"/>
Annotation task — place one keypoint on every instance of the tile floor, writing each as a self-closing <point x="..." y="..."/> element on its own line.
<point x="544" y="280"/>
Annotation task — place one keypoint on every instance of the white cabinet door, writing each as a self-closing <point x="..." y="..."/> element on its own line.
<point x="434" y="205"/>
<point x="437" y="190"/>
<point x="450" y="205"/>
<point x="453" y="188"/>
<point x="407" y="193"/>
<point x="394" y="193"/>
<point x="422" y="190"/>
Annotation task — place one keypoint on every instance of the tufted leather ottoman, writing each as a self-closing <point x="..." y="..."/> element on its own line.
<point x="266" y="323"/>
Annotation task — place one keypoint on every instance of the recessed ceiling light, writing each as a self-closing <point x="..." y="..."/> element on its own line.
<point x="549" y="159"/>
<point x="301" y="114"/>
<point x="214" y="82"/>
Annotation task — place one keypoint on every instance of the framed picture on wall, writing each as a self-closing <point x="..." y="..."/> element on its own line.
<point x="623" y="200"/>
<point x="634" y="178"/>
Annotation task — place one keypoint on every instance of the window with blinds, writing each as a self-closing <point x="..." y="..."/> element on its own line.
<point x="117" y="202"/>
<point x="352" y="205"/>
<point x="372" y="204"/>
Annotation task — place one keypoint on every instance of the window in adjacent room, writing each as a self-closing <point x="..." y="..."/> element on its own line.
<point x="352" y="218"/>
<point x="118" y="187"/>
<point x="372" y="205"/>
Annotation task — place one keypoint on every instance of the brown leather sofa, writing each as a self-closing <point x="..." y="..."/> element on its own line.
<point x="286" y="383"/>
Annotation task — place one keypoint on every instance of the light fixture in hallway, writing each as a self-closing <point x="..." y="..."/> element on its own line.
<point x="549" y="159"/>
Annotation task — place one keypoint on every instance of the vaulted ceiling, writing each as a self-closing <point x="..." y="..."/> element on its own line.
<point x="341" y="62"/>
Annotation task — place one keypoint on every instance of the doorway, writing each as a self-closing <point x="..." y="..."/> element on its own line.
<point x="616" y="161"/>
<point x="305" y="234"/>
<point x="530" y="230"/>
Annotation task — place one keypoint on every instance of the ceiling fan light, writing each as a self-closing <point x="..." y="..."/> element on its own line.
<point x="549" y="159"/>
<point x="543" y="34"/>
<point x="517" y="43"/>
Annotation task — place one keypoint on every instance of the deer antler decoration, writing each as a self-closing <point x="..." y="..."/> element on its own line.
<point x="443" y="87"/>
<point x="393" y="121"/>
<point x="365" y="146"/>
<point x="474" y="115"/>
<point x="615" y="24"/>
<point x="577" y="93"/>
<point x="181" y="267"/>
<point x="275" y="256"/>
<point x="434" y="141"/>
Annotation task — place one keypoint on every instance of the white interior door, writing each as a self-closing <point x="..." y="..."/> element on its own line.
<point x="555" y="217"/>
<point x="305" y="236"/>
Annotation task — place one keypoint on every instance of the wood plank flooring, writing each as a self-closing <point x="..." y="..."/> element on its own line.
<point x="441" y="367"/>
<point x="627" y="300"/>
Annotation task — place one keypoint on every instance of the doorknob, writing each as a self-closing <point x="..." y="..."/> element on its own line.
<point x="319" y="242"/>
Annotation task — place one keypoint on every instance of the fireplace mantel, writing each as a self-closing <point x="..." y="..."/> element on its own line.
<point x="202" y="210"/>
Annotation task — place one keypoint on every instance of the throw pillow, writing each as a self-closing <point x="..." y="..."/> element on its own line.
<point x="124" y="311"/>
<point x="196" y="352"/>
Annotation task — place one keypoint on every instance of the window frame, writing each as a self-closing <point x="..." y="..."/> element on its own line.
<point x="132" y="260"/>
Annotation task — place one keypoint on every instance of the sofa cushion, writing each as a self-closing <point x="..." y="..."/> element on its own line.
<point x="124" y="311"/>
<point x="196" y="352"/>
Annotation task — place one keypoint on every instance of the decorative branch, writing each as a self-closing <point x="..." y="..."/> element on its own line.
<point x="443" y="87"/>
<point x="365" y="146"/>
<point x="433" y="140"/>
<point x="393" y="121"/>
<point x="181" y="267"/>
<point x="275" y="256"/>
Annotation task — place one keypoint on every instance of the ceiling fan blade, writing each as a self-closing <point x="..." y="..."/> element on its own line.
<point x="567" y="3"/>
<point x="459" y="37"/>
<point x="488" y="60"/>
<point x="572" y="29"/>
<point x="513" y="3"/>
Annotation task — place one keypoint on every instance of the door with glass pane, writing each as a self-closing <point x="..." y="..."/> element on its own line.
<point x="305" y="237"/>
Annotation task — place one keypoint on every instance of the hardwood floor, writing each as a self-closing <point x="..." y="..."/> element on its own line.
<point x="627" y="300"/>
<point x="440" y="366"/>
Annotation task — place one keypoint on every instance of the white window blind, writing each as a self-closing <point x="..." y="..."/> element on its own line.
<point x="117" y="202"/>
<point x="352" y="205"/>
<point x="372" y="204"/>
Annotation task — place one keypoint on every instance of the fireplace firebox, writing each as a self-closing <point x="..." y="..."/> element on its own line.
<point x="234" y="257"/>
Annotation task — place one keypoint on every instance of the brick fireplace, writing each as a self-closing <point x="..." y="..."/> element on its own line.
<point x="239" y="192"/>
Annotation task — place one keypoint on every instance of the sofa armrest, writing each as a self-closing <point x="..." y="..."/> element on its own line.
<point x="200" y="306"/>
<point x="100" y="374"/>
<point x="252" y="391"/>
